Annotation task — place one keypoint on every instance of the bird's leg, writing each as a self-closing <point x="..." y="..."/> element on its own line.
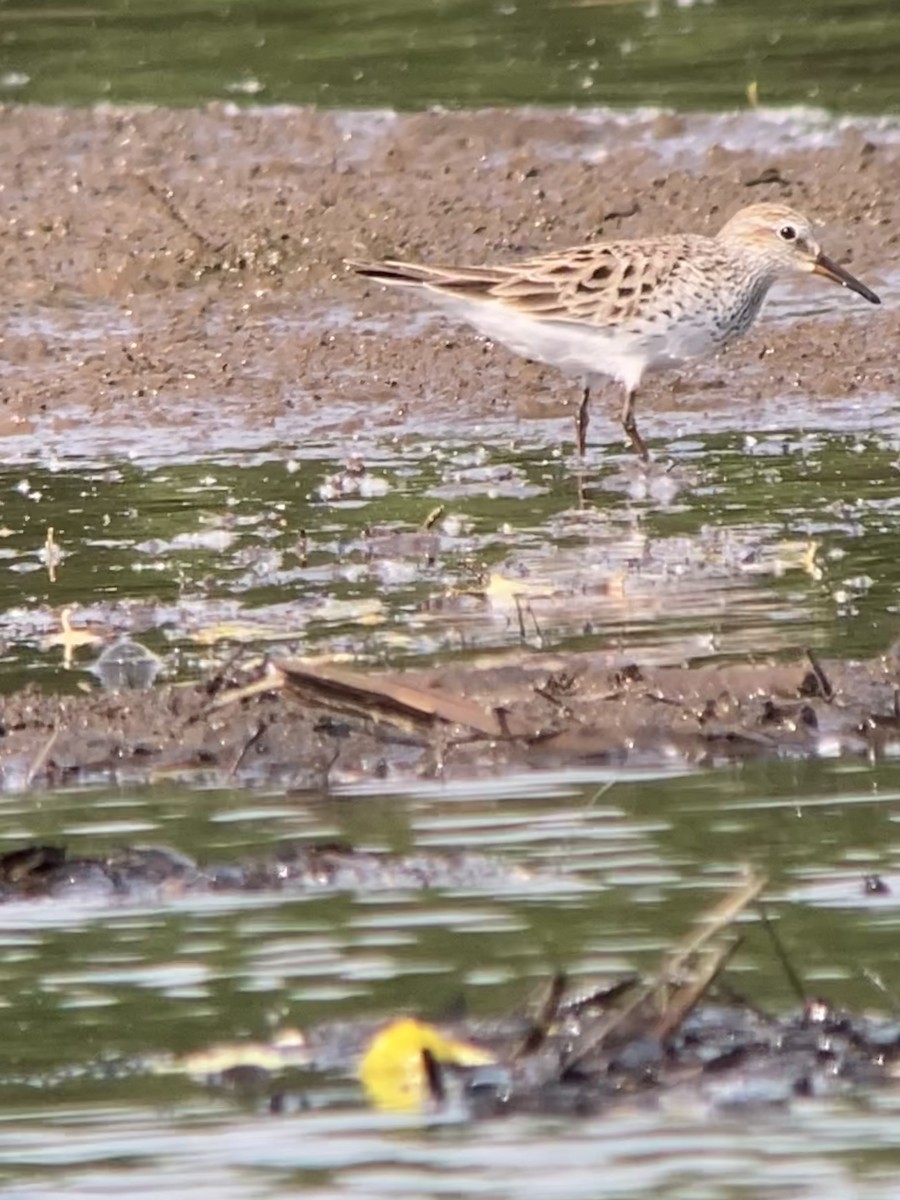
<point x="630" y="426"/>
<point x="582" y="417"/>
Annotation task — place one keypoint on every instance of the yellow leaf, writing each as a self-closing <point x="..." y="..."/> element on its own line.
<point x="392" y="1071"/>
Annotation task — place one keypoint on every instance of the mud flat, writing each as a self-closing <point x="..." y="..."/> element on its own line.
<point x="304" y="726"/>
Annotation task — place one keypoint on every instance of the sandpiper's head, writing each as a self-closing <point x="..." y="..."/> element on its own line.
<point x="784" y="240"/>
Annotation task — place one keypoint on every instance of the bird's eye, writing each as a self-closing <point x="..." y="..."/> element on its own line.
<point x="787" y="233"/>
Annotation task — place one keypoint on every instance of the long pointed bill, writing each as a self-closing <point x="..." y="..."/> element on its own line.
<point x="827" y="267"/>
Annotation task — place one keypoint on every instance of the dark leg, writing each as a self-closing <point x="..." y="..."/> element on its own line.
<point x="582" y="417"/>
<point x="630" y="426"/>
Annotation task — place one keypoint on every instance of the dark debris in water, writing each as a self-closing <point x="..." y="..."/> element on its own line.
<point x="686" y="1030"/>
<point x="142" y="873"/>
<point x="681" y="1033"/>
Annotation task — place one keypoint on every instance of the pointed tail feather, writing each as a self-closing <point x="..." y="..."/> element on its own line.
<point x="467" y="280"/>
<point x="403" y="274"/>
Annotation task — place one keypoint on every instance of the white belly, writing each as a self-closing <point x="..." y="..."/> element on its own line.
<point x="581" y="350"/>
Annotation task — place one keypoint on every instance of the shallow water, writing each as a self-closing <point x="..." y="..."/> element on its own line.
<point x="700" y="54"/>
<point x="90" y="993"/>
<point x="761" y="543"/>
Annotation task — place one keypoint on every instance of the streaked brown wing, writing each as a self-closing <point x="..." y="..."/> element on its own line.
<point x="596" y="283"/>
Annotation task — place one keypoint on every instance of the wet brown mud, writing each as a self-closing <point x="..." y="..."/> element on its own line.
<point x="532" y="712"/>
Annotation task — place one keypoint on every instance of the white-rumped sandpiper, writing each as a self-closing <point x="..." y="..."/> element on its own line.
<point x="625" y="307"/>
